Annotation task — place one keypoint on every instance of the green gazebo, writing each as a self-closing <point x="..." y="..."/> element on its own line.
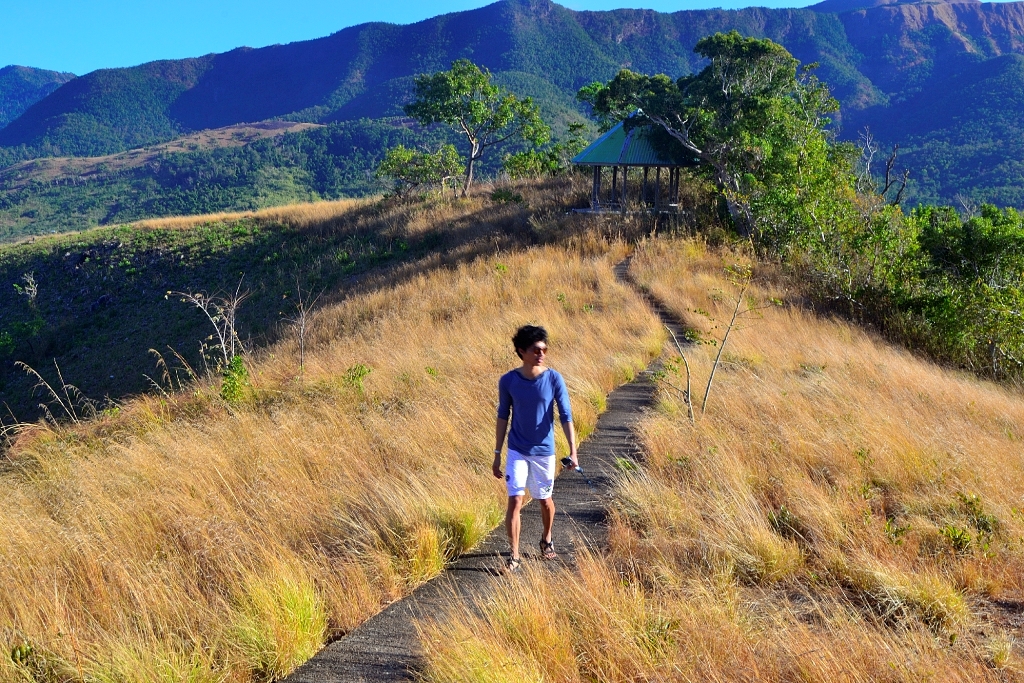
<point x="622" y="149"/>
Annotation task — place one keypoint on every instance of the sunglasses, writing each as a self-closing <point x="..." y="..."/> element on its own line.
<point x="537" y="350"/>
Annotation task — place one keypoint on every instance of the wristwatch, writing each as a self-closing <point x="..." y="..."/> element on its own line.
<point x="497" y="451"/>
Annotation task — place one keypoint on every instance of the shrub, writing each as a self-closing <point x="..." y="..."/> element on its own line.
<point x="235" y="384"/>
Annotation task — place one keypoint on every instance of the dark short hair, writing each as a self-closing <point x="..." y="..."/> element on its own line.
<point x="528" y="335"/>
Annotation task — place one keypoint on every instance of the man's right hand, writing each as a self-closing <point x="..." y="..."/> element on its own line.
<point x="496" y="467"/>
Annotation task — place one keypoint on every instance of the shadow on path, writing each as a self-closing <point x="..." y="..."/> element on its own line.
<point x="386" y="647"/>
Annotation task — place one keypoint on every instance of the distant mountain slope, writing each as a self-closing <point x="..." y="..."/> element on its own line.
<point x="883" y="60"/>
<point x="238" y="168"/>
<point x="22" y="86"/>
<point x="107" y="111"/>
<point x="966" y="138"/>
<point x="367" y="70"/>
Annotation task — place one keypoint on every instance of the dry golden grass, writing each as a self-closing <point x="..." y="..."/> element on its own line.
<point x="843" y="512"/>
<point x="292" y="215"/>
<point x="185" y="540"/>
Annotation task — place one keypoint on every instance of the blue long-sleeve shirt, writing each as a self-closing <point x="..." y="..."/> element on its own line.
<point x="531" y="403"/>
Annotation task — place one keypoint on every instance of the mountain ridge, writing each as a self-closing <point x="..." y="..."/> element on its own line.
<point x="23" y="86"/>
<point x="316" y="80"/>
<point x="881" y="62"/>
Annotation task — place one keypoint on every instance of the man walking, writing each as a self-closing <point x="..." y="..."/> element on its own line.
<point x="530" y="393"/>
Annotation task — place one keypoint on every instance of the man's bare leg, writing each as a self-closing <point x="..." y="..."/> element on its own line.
<point x="513" y="523"/>
<point x="547" y="515"/>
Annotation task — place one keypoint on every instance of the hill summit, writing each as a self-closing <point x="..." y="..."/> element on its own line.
<point x="22" y="86"/>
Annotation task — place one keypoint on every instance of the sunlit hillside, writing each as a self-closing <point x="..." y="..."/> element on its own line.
<point x="202" y="535"/>
<point x="842" y="511"/>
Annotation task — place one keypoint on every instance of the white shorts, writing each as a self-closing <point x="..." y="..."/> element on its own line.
<point x="535" y="473"/>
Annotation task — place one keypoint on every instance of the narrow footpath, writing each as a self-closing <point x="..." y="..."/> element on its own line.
<point x="386" y="647"/>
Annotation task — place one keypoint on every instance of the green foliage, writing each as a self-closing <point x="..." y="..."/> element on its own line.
<point x="950" y="285"/>
<point x="959" y="539"/>
<point x="787" y="524"/>
<point x="553" y="160"/>
<point x="322" y="163"/>
<point x="411" y="169"/>
<point x="952" y="104"/>
<point x="895" y="531"/>
<point x="329" y="162"/>
<point x="464" y="97"/>
<point x="235" y="385"/>
<point x="355" y="375"/>
<point x="754" y="121"/>
<point x="983" y="521"/>
<point x="625" y="465"/>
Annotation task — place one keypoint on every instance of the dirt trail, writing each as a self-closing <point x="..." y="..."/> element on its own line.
<point x="386" y="648"/>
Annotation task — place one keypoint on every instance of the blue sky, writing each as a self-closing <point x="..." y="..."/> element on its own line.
<point x="83" y="35"/>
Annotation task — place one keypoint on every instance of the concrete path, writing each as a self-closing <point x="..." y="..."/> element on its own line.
<point x="386" y="648"/>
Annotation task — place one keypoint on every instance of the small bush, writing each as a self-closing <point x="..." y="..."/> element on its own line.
<point x="504" y="195"/>
<point x="355" y="375"/>
<point x="235" y="384"/>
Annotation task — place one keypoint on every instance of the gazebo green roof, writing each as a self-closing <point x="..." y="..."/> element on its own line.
<point x="635" y="147"/>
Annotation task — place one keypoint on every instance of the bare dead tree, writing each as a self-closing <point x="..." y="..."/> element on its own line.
<point x="30" y="289"/>
<point x="303" y="306"/>
<point x="866" y="183"/>
<point x="741" y="277"/>
<point x="222" y="312"/>
<point x="868" y="150"/>
<point x="894" y="180"/>
<point x="687" y="395"/>
<point x="968" y="206"/>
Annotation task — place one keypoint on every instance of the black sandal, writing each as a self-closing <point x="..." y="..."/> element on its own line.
<point x="547" y="550"/>
<point x="513" y="565"/>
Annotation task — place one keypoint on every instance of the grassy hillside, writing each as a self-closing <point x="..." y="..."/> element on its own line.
<point x="240" y="168"/>
<point x="194" y="539"/>
<point x="843" y="511"/>
<point x="102" y="294"/>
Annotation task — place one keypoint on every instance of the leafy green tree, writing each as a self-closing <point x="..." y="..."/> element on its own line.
<point x="486" y="114"/>
<point x="554" y="160"/>
<point x="410" y="169"/>
<point x="974" y="286"/>
<point x="751" y="117"/>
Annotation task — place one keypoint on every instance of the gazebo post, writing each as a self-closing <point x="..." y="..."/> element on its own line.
<point x="657" y="189"/>
<point x="625" y="180"/>
<point x="595" y="194"/>
<point x="643" y="194"/>
<point x="615" y="184"/>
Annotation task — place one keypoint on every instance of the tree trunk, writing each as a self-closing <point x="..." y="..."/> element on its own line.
<point x="740" y="217"/>
<point x="474" y="154"/>
<point x="469" y="177"/>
